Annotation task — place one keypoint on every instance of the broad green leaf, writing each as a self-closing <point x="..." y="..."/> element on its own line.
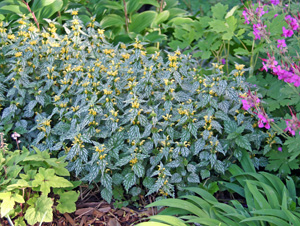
<point x="258" y="197"/>
<point x="204" y="194"/>
<point x="180" y="20"/>
<point x="46" y="179"/>
<point x="141" y="21"/>
<point x="160" y="18"/>
<point x="129" y="180"/>
<point x="49" y="10"/>
<point x="7" y="203"/>
<point x="182" y="204"/>
<point x="66" y="202"/>
<point x="112" y="20"/>
<point x="242" y="142"/>
<point x="219" y="10"/>
<point x="151" y="223"/>
<point x="207" y="221"/>
<point x="37" y="5"/>
<point x="168" y="219"/>
<point x="274" y="220"/>
<point x="40" y="210"/>
<point x="138" y="169"/>
<point x="231" y="12"/>
<point x="132" y="5"/>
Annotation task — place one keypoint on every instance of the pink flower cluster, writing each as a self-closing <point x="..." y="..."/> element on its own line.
<point x="292" y="125"/>
<point x="250" y="100"/>
<point x="289" y="74"/>
<point x="275" y="2"/>
<point x="293" y="26"/>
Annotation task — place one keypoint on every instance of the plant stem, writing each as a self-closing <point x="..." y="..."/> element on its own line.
<point x="9" y="220"/>
<point x="32" y="13"/>
<point x="126" y="16"/>
<point x="251" y="59"/>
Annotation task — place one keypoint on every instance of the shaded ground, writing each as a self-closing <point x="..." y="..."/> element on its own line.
<point x="92" y="210"/>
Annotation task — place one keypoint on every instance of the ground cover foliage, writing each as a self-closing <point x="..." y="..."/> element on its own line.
<point x="123" y="118"/>
<point x="140" y="117"/>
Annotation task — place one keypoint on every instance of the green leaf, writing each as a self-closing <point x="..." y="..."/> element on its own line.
<point x="49" y="10"/>
<point x="141" y="21"/>
<point x="66" y="202"/>
<point x="231" y="12"/>
<point x="151" y="223"/>
<point x="181" y="204"/>
<point x="129" y="181"/>
<point x="37" y="5"/>
<point x="161" y="17"/>
<point x="106" y="194"/>
<point x="138" y="169"/>
<point x="132" y="5"/>
<point x="275" y="220"/>
<point x="242" y="142"/>
<point x="219" y="10"/>
<point x="7" y="203"/>
<point x="40" y="210"/>
<point x="46" y="179"/>
<point x="230" y="126"/>
<point x="112" y="20"/>
<point x="168" y="219"/>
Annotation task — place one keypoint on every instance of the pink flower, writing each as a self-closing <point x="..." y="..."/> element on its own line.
<point x="275" y="2"/>
<point x="15" y="136"/>
<point x="264" y="120"/>
<point x="279" y="149"/>
<point x="281" y="43"/>
<point x="249" y="100"/>
<point x="286" y="32"/>
<point x="259" y="31"/>
<point x="245" y="17"/>
<point x="270" y="62"/>
<point x="292" y="125"/>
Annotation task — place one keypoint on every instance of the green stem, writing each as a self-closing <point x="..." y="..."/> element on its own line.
<point x="227" y="57"/>
<point x="251" y="60"/>
<point x="126" y="16"/>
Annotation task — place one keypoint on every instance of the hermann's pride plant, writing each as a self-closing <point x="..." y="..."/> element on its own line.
<point x="126" y="120"/>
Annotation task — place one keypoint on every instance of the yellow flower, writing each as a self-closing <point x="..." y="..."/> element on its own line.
<point x="18" y="54"/>
<point x="12" y="37"/>
<point x="100" y="31"/>
<point x="74" y="12"/>
<point x="239" y="66"/>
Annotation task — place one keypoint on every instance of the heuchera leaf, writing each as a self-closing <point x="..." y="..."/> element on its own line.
<point x="40" y="211"/>
<point x="66" y="203"/>
<point x="46" y="179"/>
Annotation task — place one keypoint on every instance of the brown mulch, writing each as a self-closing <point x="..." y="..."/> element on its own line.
<point x="91" y="210"/>
<point x="97" y="214"/>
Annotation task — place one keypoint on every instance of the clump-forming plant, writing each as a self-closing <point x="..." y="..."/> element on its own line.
<point x="123" y="118"/>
